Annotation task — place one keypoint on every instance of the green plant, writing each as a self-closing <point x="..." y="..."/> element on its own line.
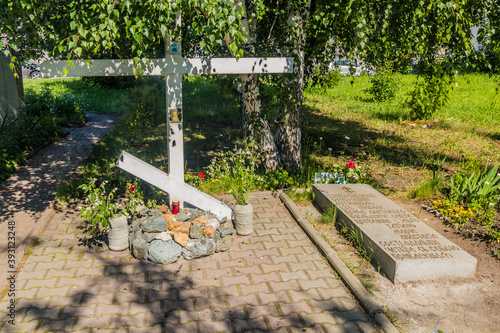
<point x="429" y="95"/>
<point x="384" y="84"/>
<point x="276" y="179"/>
<point x="329" y="216"/>
<point x="236" y="171"/>
<point x="100" y="207"/>
<point x="456" y="213"/>
<point x="355" y="237"/>
<point x="143" y="107"/>
<point x="476" y="186"/>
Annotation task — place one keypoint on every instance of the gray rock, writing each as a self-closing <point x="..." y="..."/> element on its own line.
<point x="149" y="236"/>
<point x="227" y="224"/>
<point x="227" y="232"/>
<point x="161" y="252"/>
<point x="224" y="243"/>
<point x="155" y="212"/>
<point x="196" y="248"/>
<point x="216" y="235"/>
<point x="140" y="248"/>
<point x="196" y="231"/>
<point x="135" y="226"/>
<point x="181" y="217"/>
<point x="144" y="212"/>
<point x="155" y="224"/>
<point x="195" y="212"/>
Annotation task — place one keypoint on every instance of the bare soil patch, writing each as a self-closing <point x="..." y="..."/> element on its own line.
<point x="454" y="306"/>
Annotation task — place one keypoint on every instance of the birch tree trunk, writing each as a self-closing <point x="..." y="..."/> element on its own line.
<point x="289" y="135"/>
<point x="255" y="126"/>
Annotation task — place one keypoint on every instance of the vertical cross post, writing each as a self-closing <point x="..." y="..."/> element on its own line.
<point x="175" y="135"/>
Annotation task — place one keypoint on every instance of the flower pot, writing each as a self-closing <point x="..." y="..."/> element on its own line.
<point x="118" y="233"/>
<point x="243" y="219"/>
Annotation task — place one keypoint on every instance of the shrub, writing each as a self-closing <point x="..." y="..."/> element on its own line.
<point x="384" y="85"/>
<point x="429" y="95"/>
<point x="143" y="108"/>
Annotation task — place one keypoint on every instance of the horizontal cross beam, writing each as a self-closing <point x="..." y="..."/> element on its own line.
<point x="171" y="185"/>
<point x="170" y="65"/>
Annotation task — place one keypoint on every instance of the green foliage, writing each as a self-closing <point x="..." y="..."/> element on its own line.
<point x="457" y="213"/>
<point x="323" y="80"/>
<point x="428" y="96"/>
<point x="276" y="179"/>
<point x="236" y="170"/>
<point x="329" y="216"/>
<point x="143" y="109"/>
<point x="99" y="206"/>
<point x="384" y="85"/>
<point x="431" y="186"/>
<point x="476" y="186"/>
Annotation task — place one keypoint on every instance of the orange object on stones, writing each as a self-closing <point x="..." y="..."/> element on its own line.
<point x="168" y="217"/>
<point x="183" y="228"/>
<point x="209" y="231"/>
<point x="164" y="209"/>
<point x="173" y="224"/>
<point x="201" y="221"/>
<point x="180" y="238"/>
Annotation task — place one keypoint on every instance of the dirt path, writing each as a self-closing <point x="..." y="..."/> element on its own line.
<point x="454" y="306"/>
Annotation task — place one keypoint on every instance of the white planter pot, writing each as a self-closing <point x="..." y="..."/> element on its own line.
<point x="118" y="233"/>
<point x="243" y="219"/>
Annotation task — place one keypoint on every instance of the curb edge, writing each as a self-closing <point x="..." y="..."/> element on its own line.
<point x="365" y="298"/>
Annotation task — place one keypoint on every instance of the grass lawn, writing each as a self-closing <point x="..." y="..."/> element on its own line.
<point x="398" y="151"/>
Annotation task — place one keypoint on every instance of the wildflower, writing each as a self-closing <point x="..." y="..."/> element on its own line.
<point x="492" y="204"/>
<point x="201" y="175"/>
<point x="361" y="145"/>
<point x="351" y="164"/>
<point x="487" y="183"/>
<point x="132" y="188"/>
<point x="347" y="138"/>
<point x="329" y="149"/>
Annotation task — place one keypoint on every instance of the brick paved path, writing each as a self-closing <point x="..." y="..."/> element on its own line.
<point x="55" y="162"/>
<point x="273" y="280"/>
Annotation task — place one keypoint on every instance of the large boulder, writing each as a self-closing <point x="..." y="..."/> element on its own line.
<point x="155" y="224"/>
<point x="196" y="248"/>
<point x="161" y="252"/>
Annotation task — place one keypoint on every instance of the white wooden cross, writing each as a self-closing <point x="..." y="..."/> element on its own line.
<point x="173" y="66"/>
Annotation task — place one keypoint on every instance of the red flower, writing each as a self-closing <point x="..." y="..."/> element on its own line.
<point x="351" y="164"/>
<point x="201" y="175"/>
<point x="132" y="188"/>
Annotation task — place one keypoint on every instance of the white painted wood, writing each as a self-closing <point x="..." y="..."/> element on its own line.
<point x="183" y="191"/>
<point x="170" y="65"/>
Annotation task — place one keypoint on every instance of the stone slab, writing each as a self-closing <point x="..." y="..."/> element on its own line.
<point x="406" y="248"/>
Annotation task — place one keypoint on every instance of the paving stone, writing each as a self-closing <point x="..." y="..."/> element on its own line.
<point x="45" y="292"/>
<point x="48" y="283"/>
<point x="90" y="322"/>
<point x="308" y="284"/>
<point x="224" y="326"/>
<point x="63" y="325"/>
<point x="70" y="272"/>
<point x="250" y="299"/>
<point x="258" y="278"/>
<point x="89" y="310"/>
<point x="276" y="322"/>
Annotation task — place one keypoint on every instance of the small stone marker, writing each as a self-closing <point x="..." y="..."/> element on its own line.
<point x="406" y="248"/>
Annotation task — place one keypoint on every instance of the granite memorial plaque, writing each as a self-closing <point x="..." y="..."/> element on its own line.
<point x="406" y="248"/>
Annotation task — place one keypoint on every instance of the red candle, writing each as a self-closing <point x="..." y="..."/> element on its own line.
<point x="175" y="206"/>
